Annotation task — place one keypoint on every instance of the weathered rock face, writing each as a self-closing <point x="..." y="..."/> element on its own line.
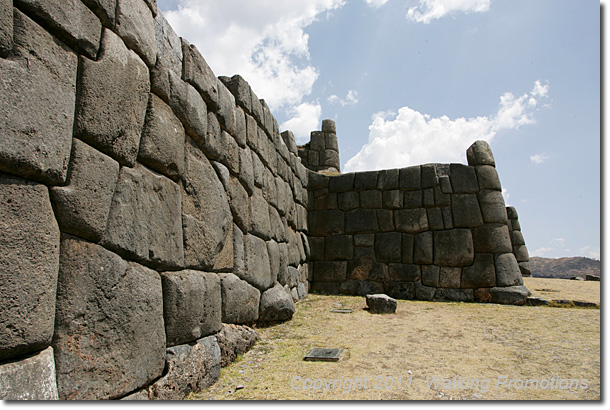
<point x="240" y="300"/>
<point x="234" y="340"/>
<point x="189" y="368"/>
<point x="381" y="303"/>
<point x="29" y="262"/>
<point x="109" y="334"/>
<point x="144" y="222"/>
<point x="37" y="106"/>
<point x="276" y="305"/>
<point x="191" y="305"/>
<point x="32" y="378"/>
<point x="135" y="25"/>
<point x="6" y="27"/>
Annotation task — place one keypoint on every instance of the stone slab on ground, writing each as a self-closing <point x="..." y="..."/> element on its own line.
<point x="381" y="303"/>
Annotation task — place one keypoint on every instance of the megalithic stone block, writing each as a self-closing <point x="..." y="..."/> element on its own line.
<point x="480" y="153"/>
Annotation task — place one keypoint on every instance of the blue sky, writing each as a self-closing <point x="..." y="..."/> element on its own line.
<point x="417" y="81"/>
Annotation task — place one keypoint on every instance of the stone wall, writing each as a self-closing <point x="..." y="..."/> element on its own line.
<point x="321" y="153"/>
<point x="144" y="203"/>
<point x="429" y="232"/>
<point x="517" y="241"/>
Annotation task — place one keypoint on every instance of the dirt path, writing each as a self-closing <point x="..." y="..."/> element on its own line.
<point x="426" y="351"/>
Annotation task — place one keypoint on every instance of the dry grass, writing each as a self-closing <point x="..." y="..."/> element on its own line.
<point x="551" y="289"/>
<point x="483" y="342"/>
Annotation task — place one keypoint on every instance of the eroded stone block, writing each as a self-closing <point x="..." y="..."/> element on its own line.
<point x="240" y="300"/>
<point x="32" y="378"/>
<point x="135" y="24"/>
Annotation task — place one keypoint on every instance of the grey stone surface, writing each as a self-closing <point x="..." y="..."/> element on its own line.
<point x="207" y="222"/>
<point x="169" y="45"/>
<point x="246" y="169"/>
<point x="322" y="223"/>
<point x="258" y="269"/>
<point x="454" y="295"/>
<point x="6" y="27"/>
<point x="348" y="201"/>
<point x="411" y="220"/>
<point x="339" y="247"/>
<point x="109" y="336"/>
<point x="492" y="238"/>
<point x="388" y="179"/>
<point x="188" y="105"/>
<point x="360" y="287"/>
<point x="507" y="270"/>
<point x="38" y="91"/>
<point x="400" y="272"/>
<point x="430" y="275"/>
<point x="453" y="248"/>
<point x="516" y="238"/>
<point x="480" y="153"/>
<point x="413" y="199"/>
<point x="83" y="204"/>
<point x="276" y="305"/>
<point x="163" y="140"/>
<point x="32" y="378"/>
<point x="424" y="292"/>
<point x="393" y="199"/>
<point x="234" y="341"/>
<point x="135" y="25"/>
<point x="488" y="178"/>
<point x="144" y="221"/>
<point x="192" y="305"/>
<point x="239" y="203"/>
<point x="465" y="211"/>
<point x="342" y="183"/>
<point x="190" y="368"/>
<point x="241" y="91"/>
<point x="521" y="253"/>
<point x="429" y="176"/>
<point x="366" y="239"/>
<point x="428" y="198"/>
<point x="407" y="247"/>
<point x="113" y="95"/>
<point x="445" y="184"/>
<point x="29" y="262"/>
<point x="70" y="20"/>
<point x="510" y="295"/>
<point x="423" y="248"/>
<point x="364" y="267"/>
<point x="410" y="178"/>
<point x="525" y="269"/>
<point x="365" y="180"/>
<point x="329" y="126"/>
<point x="327" y="271"/>
<point x="381" y="303"/>
<point x="139" y="395"/>
<point x="240" y="300"/>
<point x="273" y="250"/>
<point x="289" y="140"/>
<point x="226" y="108"/>
<point x="104" y="9"/>
<point x="463" y="179"/>
<point x="512" y="212"/>
<point x="435" y="219"/>
<point x="370" y="199"/>
<point x="240" y="127"/>
<point x="260" y="223"/>
<point x="360" y="221"/>
<point x="388" y="247"/>
<point x="481" y="274"/>
<point x="198" y="73"/>
<point x="492" y="206"/>
<point x="450" y="277"/>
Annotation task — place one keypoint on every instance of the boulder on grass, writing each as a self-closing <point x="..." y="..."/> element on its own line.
<point x="276" y="305"/>
<point x="381" y="303"/>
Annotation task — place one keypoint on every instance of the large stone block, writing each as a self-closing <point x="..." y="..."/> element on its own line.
<point x="239" y="203"/>
<point x="488" y="178"/>
<point x="226" y="108"/>
<point x="258" y="269"/>
<point x="479" y="153"/>
<point x="348" y="201"/>
<point x="83" y="204"/>
<point x="510" y="295"/>
<point x="429" y="176"/>
<point x="197" y="72"/>
<point x="364" y="267"/>
<point x="381" y="303"/>
<point x="430" y="276"/>
<point x="361" y="221"/>
<point x="454" y="295"/>
<point x="38" y="91"/>
<point x="463" y="179"/>
<point x="492" y="206"/>
<point x="339" y="247"/>
<point x="388" y="179"/>
<point x="6" y="27"/>
<point x="388" y="247"/>
<point x="507" y="270"/>
<point x="323" y="223"/>
<point x="104" y="9"/>
<point x="413" y="199"/>
<point x="260" y="223"/>
<point x="371" y="199"/>
<point x="411" y="220"/>
<point x="400" y="272"/>
<point x="169" y="45"/>
<point x="521" y="253"/>
<point x="32" y="378"/>
<point x="410" y="178"/>
<point x="276" y="305"/>
<point x="423" y="248"/>
<point x="163" y="140"/>
<point x="365" y="180"/>
<point x="135" y="24"/>
<point x="109" y="335"/>
<point x="240" y="128"/>
<point x="392" y="199"/>
<point x="453" y="248"/>
<point x="435" y="219"/>
<point x="481" y="274"/>
<point x="242" y="93"/>
<point x="465" y="211"/>
<point x="188" y="105"/>
<point x="325" y="271"/>
<point x="450" y="277"/>
<point x="29" y="262"/>
<point x="192" y="306"/>
<point x="113" y="96"/>
<point x="240" y="300"/>
<point x="492" y="238"/>
<point x="190" y="368"/>
<point x="144" y="221"/>
<point x="207" y="221"/>
<point x="234" y="341"/>
<point x="70" y="20"/>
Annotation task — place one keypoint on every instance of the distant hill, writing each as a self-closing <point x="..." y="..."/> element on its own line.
<point x="564" y="268"/>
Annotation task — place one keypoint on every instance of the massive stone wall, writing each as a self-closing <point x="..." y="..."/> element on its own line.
<point x="144" y="205"/>
<point x="429" y="232"/>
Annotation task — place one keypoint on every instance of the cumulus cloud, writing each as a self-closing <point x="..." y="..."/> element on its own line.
<point x="264" y="41"/>
<point x="410" y="137"/>
<point x="556" y="248"/>
<point x="376" y="3"/>
<point x="591" y="252"/>
<point x="305" y="118"/>
<point x="350" y="99"/>
<point x="539" y="158"/>
<point x="428" y="10"/>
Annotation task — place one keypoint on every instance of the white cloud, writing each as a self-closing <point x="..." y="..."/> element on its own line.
<point x="506" y="196"/>
<point x="591" y="252"/>
<point x="264" y="41"/>
<point x="539" y="158"/>
<point x="376" y="3"/>
<point x="350" y="99"/>
<point x="428" y="10"/>
<point x="412" y="138"/>
<point x="305" y="118"/>
<point x="542" y="252"/>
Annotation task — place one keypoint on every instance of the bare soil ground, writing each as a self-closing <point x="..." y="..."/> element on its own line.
<point x="426" y="351"/>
